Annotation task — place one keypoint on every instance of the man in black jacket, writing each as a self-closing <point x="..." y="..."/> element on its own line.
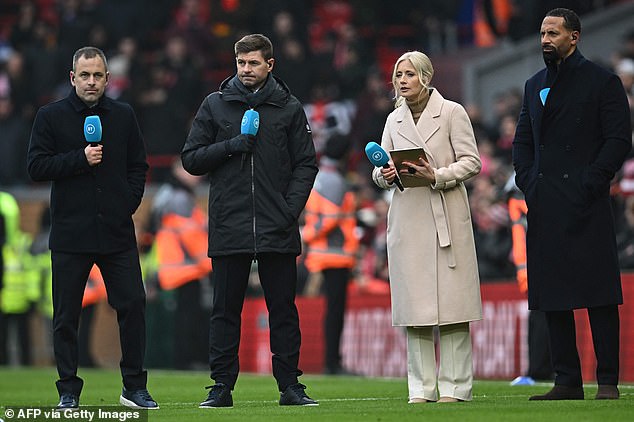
<point x="95" y="191"/>
<point x="258" y="188"/>
<point x="572" y="136"/>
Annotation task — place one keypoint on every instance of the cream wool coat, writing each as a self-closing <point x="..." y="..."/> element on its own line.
<point x="431" y="252"/>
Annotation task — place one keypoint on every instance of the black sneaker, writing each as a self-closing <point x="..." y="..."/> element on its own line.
<point x="294" y="395"/>
<point x="137" y="399"/>
<point x="219" y="396"/>
<point x="68" y="401"/>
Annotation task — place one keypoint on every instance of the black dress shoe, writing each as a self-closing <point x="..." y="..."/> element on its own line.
<point x="294" y="395"/>
<point x="561" y="392"/>
<point x="219" y="396"/>
<point x="137" y="399"/>
<point x="68" y="401"/>
<point x="607" y="392"/>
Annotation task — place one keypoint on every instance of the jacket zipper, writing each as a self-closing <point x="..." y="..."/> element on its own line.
<point x="255" y="243"/>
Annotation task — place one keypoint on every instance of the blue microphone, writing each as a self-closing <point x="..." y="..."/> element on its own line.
<point x="250" y="122"/>
<point x="92" y="130"/>
<point x="249" y="126"/>
<point x="379" y="158"/>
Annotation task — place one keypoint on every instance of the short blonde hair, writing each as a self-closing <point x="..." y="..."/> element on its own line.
<point x="424" y="69"/>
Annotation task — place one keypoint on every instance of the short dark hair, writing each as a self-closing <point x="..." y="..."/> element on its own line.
<point x="571" y="20"/>
<point x="89" y="53"/>
<point x="255" y="42"/>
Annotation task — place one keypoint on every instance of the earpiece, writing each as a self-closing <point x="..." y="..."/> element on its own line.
<point x="574" y="37"/>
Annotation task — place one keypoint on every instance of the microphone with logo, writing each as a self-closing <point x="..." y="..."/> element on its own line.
<point x="379" y="158"/>
<point x="92" y="130"/>
<point x="249" y="126"/>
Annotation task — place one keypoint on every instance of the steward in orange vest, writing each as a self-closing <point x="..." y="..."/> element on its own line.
<point x="332" y="243"/>
<point x="182" y="249"/>
<point x="517" y="212"/>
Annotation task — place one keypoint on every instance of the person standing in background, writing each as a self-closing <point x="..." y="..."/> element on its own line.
<point x="259" y="186"/>
<point x="332" y="243"/>
<point x="180" y="235"/>
<point x="95" y="190"/>
<point x="432" y="261"/>
<point x="539" y="365"/>
<point x="572" y="136"/>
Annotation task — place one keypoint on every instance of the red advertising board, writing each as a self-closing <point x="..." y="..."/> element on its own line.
<point x="371" y="346"/>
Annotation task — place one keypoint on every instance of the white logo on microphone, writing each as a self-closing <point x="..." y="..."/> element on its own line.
<point x="377" y="155"/>
<point x="90" y="128"/>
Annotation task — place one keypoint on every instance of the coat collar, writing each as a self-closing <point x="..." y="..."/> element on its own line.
<point x="418" y="134"/>
<point x="80" y="106"/>
<point x="274" y="91"/>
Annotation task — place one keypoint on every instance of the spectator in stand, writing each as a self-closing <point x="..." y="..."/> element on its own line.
<point x="432" y="259"/>
<point x="22" y="95"/>
<point x="22" y="33"/>
<point x="572" y="136"/>
<point x="293" y="56"/>
<point x="506" y="132"/>
<point x="125" y="68"/>
<point x="373" y="104"/>
<point x="350" y="62"/>
<point x="491" y="230"/>
<point x="14" y="132"/>
<point x="625" y="71"/>
<point x="166" y="104"/>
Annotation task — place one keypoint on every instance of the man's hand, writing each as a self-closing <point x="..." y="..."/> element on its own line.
<point x="94" y="154"/>
<point x="241" y="143"/>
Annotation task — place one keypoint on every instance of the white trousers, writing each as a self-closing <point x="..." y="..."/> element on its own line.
<point x="455" y="373"/>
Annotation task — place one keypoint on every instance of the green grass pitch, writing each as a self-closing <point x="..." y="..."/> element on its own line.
<point x="340" y="399"/>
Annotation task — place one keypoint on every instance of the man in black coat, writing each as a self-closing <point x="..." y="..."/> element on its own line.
<point x="95" y="191"/>
<point x="572" y="136"/>
<point x="259" y="186"/>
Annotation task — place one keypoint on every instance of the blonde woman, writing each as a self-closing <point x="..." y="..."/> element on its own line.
<point x="431" y="252"/>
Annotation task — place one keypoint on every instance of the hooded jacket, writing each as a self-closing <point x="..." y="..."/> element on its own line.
<point x="255" y="199"/>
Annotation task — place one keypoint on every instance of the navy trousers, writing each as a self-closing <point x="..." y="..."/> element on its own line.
<point x="604" y="323"/>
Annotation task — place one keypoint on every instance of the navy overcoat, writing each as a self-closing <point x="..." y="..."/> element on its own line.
<point x="565" y="153"/>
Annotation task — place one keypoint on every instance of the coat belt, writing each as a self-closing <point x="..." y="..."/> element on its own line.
<point x="439" y="211"/>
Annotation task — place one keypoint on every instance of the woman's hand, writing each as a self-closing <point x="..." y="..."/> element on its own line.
<point x="422" y="170"/>
<point x="389" y="174"/>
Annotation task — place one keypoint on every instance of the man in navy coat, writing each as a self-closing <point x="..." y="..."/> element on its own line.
<point x="95" y="191"/>
<point x="572" y="136"/>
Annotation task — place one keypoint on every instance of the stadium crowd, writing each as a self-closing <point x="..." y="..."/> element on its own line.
<point x="165" y="56"/>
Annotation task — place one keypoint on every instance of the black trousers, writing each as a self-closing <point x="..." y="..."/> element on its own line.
<point x="540" y="366"/>
<point x="604" y="323"/>
<point x="335" y="287"/>
<point x="191" y="335"/>
<point x="278" y="277"/>
<point x="122" y="276"/>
